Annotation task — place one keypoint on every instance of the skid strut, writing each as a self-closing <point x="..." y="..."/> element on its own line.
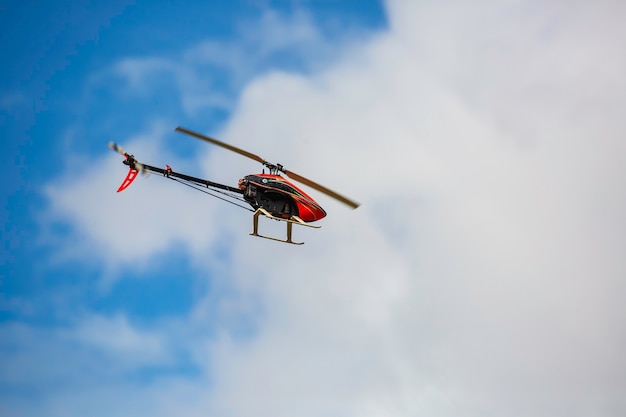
<point x="290" y="222"/>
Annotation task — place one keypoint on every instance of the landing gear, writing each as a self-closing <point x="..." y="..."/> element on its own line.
<point x="290" y="222"/>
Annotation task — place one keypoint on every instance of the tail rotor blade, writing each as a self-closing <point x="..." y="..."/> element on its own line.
<point x="130" y="159"/>
<point x="141" y="168"/>
<point x="117" y="148"/>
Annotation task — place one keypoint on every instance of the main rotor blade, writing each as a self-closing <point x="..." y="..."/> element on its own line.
<point x="257" y="158"/>
<point x="321" y="188"/>
<point x="222" y="144"/>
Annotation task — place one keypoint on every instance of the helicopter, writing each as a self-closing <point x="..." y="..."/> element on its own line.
<point x="269" y="195"/>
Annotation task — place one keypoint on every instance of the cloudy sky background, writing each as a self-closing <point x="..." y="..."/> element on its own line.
<point x="483" y="274"/>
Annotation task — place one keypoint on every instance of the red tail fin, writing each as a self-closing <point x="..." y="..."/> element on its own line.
<point x="132" y="174"/>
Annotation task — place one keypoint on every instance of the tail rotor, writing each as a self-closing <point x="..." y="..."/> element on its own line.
<point x="134" y="165"/>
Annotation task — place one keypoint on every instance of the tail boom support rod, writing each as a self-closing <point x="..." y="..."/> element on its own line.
<point x="199" y="181"/>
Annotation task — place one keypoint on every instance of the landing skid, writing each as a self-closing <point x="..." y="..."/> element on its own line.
<point x="290" y="222"/>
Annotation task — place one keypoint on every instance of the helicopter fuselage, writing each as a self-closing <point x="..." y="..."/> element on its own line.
<point x="280" y="197"/>
<point x="269" y="195"/>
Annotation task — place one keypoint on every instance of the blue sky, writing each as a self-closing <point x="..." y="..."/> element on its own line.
<point x="483" y="271"/>
<point x="60" y="95"/>
<point x="49" y="95"/>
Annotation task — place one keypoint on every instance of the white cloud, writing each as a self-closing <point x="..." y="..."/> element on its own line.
<point x="90" y="366"/>
<point x="92" y="348"/>
<point x="481" y="143"/>
<point x="483" y="273"/>
<point x="116" y="337"/>
<point x="153" y="215"/>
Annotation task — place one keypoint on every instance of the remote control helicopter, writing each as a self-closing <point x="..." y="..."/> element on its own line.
<point x="269" y="195"/>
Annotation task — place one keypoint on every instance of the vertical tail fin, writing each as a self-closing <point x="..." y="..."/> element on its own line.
<point x="130" y="177"/>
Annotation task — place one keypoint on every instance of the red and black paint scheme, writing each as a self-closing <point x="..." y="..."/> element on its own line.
<point x="280" y="197"/>
<point x="270" y="195"/>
